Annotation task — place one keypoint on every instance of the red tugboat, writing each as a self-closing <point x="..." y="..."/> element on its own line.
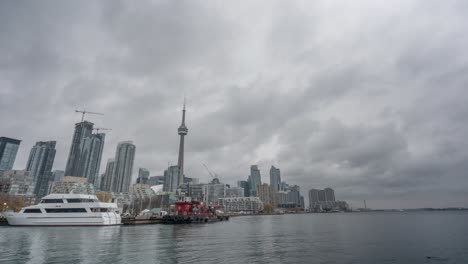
<point x="191" y="212"/>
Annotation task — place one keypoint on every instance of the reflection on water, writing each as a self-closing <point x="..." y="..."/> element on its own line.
<point x="422" y="237"/>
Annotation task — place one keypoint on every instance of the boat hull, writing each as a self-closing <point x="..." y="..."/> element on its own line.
<point x="97" y="219"/>
<point x="141" y="221"/>
<point x="176" y="219"/>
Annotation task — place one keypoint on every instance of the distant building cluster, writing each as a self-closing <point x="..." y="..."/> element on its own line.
<point x="84" y="161"/>
<point x="71" y="184"/>
<point x="82" y="175"/>
<point x="324" y="200"/>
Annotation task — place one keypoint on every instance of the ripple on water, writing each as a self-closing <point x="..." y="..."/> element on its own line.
<point x="316" y="238"/>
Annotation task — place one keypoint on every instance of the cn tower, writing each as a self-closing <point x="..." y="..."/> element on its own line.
<point x="182" y="131"/>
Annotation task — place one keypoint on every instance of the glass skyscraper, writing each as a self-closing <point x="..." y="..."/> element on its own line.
<point x="91" y="153"/>
<point x="74" y="167"/>
<point x="123" y="167"/>
<point x="8" y="149"/>
<point x="275" y="179"/>
<point x="41" y="159"/>
<point x="106" y="180"/>
<point x="171" y="179"/>
<point x="254" y="179"/>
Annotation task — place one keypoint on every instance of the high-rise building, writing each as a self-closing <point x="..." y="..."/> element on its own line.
<point x="143" y="175"/>
<point x="281" y="199"/>
<point x="266" y="194"/>
<point x="91" y="155"/>
<point x="284" y="186"/>
<point x="57" y="175"/>
<point x="329" y="194"/>
<point x="82" y="130"/>
<point x="155" y="180"/>
<point x="171" y="179"/>
<point x="244" y="185"/>
<point x="41" y="159"/>
<point x="313" y="196"/>
<point x="8" y="149"/>
<point x="324" y="200"/>
<point x="254" y="179"/>
<point x="182" y="131"/>
<point x="321" y="196"/>
<point x="294" y="196"/>
<point x="106" y="179"/>
<point x="102" y="183"/>
<point x="275" y="179"/>
<point x="123" y="167"/>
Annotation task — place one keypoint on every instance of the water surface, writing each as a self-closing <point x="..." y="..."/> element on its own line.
<point x="393" y="237"/>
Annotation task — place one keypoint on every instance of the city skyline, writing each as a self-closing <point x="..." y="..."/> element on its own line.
<point x="372" y="103"/>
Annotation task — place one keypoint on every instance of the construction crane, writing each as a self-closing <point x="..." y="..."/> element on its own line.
<point x="212" y="174"/>
<point x="101" y="128"/>
<point x="83" y="112"/>
<point x="208" y="170"/>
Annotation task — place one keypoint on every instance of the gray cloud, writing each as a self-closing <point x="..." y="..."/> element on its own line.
<point x="368" y="98"/>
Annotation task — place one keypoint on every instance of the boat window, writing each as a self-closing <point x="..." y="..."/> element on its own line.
<point x="65" y="210"/>
<point x="52" y="201"/>
<point x="97" y="210"/>
<point x="80" y="200"/>
<point x="32" y="211"/>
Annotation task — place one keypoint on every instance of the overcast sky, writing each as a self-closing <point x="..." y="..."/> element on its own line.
<point x="367" y="97"/>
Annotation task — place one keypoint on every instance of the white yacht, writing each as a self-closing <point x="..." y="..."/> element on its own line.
<point x="67" y="210"/>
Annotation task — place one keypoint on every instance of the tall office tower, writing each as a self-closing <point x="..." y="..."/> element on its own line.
<point x="275" y="179"/>
<point x="155" y="180"/>
<point x="102" y="182"/>
<point x="313" y="197"/>
<point x="171" y="179"/>
<point x="41" y="159"/>
<point x="321" y="195"/>
<point x="284" y="186"/>
<point x="182" y="131"/>
<point x="106" y="181"/>
<point x="294" y="196"/>
<point x="245" y="186"/>
<point x="329" y="194"/>
<point x="91" y="155"/>
<point x="143" y="175"/>
<point x="124" y="158"/>
<point x="82" y="130"/>
<point x="266" y="194"/>
<point x="8" y="149"/>
<point x="254" y="179"/>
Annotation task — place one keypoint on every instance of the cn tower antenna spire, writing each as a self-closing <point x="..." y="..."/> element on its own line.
<point x="182" y="131"/>
<point x="183" y="113"/>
